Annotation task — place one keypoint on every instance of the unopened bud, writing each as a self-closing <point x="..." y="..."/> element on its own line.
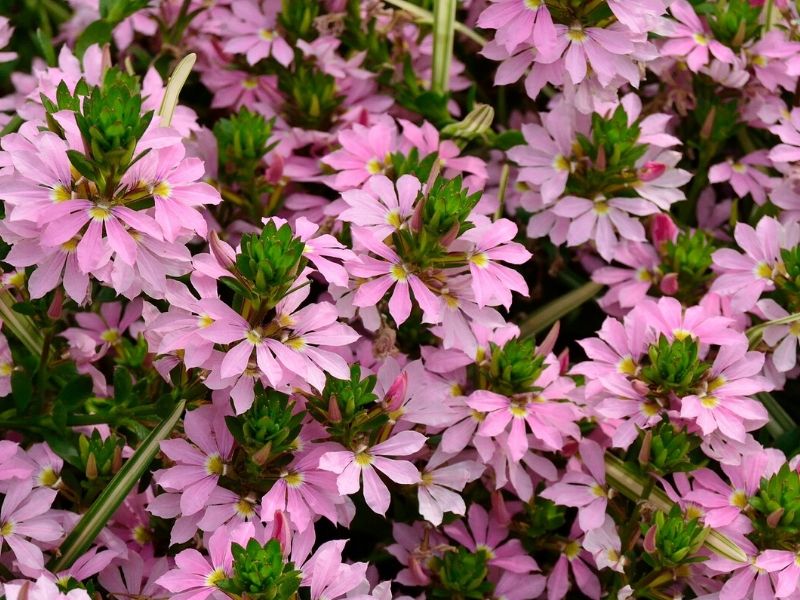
<point x="91" y="467"/>
<point x="396" y="394"/>
<point x="649" y="542"/>
<point x="662" y="230"/>
<point x="221" y="251"/>
<point x="55" y="309"/>
<point x="644" y="451"/>
<point x="708" y="124"/>
<point x="774" y="517"/>
<point x="419" y="574"/>
<point x="651" y="170"/>
<point x="499" y="509"/>
<point x="449" y="237"/>
<point x="669" y="284"/>
<point x="116" y="461"/>
<point x="281" y="531"/>
<point x="260" y="458"/>
<point x="334" y="414"/>
<point x="640" y="387"/>
<point x="549" y="342"/>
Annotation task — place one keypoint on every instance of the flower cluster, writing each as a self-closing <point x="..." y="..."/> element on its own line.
<point x="377" y="299"/>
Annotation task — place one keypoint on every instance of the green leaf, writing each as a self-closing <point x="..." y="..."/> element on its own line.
<point x="444" y="20"/>
<point x="552" y="312"/>
<point x="98" y="32"/>
<point x="93" y="521"/>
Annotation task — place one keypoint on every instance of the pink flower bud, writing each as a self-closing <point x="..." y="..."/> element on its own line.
<point x="662" y="229"/>
<point x="282" y="531"/>
<point x="334" y="414"/>
<point x="55" y="308"/>
<point x="221" y="251"/>
<point x="669" y="284"/>
<point x="275" y="169"/>
<point x="499" y="508"/>
<point x="651" y="171"/>
<point x="549" y="342"/>
<point x="396" y="394"/>
<point x="640" y="387"/>
<point x="649" y="543"/>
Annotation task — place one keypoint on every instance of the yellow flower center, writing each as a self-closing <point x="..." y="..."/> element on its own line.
<point x="572" y="549"/>
<point x="6" y="529"/>
<point x="764" y="271"/>
<point x="716" y="383"/>
<point x="398" y="273"/>
<point x="48" y="477"/>
<point x="701" y="39"/>
<point x="110" y="336"/>
<point x="681" y="334"/>
<point x="297" y="343"/>
<point x="600" y="207"/>
<point x="99" y="212"/>
<point x="374" y="166"/>
<point x="204" y="321"/>
<point x="215" y="577"/>
<point x="627" y="366"/>
<point x="561" y="163"/>
<point x="598" y="490"/>
<point x="738" y="167"/>
<point x="739" y="499"/>
<point x="253" y="336"/>
<point x="709" y="402"/>
<point x="480" y="260"/>
<point x="162" y="189"/>
<point x="393" y="219"/>
<point x="293" y="480"/>
<point x="576" y="34"/>
<point x="363" y="459"/>
<point x="266" y="35"/>
<point x="649" y="409"/>
<point x="244" y="508"/>
<point x="215" y="465"/>
<point x="141" y="534"/>
<point x="6" y="369"/>
<point x="70" y="246"/>
<point x="60" y="193"/>
<point x="533" y="4"/>
<point x="794" y="329"/>
<point x="427" y="479"/>
<point x="250" y="83"/>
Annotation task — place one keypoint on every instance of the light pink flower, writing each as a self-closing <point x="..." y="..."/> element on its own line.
<point x="378" y="207"/>
<point x="252" y="32"/>
<point x="690" y="38"/>
<point x="364" y="152"/>
<point x="23" y="517"/>
<point x="518" y="22"/>
<point x="366" y="462"/>
<point x="744" y="176"/>
<point x="440" y="486"/>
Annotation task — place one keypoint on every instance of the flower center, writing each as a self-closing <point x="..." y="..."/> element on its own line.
<point x="393" y="219"/>
<point x="533" y="4"/>
<point x="576" y="34"/>
<point x="374" y="166"/>
<point x="204" y="321"/>
<point x="6" y="369"/>
<point x="244" y="508"/>
<point x="561" y="163"/>
<point x="70" y="246"/>
<point x="100" y="212"/>
<point x="162" y="189"/>
<point x="709" y="402"/>
<point x="700" y="38"/>
<point x="266" y="35"/>
<point x="253" y="336"/>
<point x="250" y="83"/>
<point x="627" y="366"/>
<point x="215" y="577"/>
<point x="363" y="459"/>
<point x="141" y="534"/>
<point x="293" y="480"/>
<point x="6" y="529"/>
<point x="110" y="336"/>
<point x="398" y="273"/>
<point x="763" y="270"/>
<point x="48" y="477"/>
<point x="739" y="499"/>
<point x="215" y="465"/>
<point x="480" y="260"/>
<point x="60" y="193"/>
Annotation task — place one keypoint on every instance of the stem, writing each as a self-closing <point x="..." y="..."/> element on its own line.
<point x="21" y="326"/>
<point x="423" y="16"/>
<point x="755" y="332"/>
<point x="780" y="422"/>
<point x="552" y="312"/>
<point x="444" y="18"/>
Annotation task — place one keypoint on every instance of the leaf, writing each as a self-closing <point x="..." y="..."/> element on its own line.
<point x="123" y="385"/>
<point x="98" y="32"/>
<point x="558" y="308"/>
<point x="174" y="86"/>
<point x="103" y="508"/>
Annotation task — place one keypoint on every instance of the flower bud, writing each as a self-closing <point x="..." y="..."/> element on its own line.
<point x="669" y="284"/>
<point x="651" y="170"/>
<point x="662" y="230"/>
<point x="396" y="394"/>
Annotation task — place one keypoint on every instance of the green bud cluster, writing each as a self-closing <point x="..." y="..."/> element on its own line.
<point x="297" y="19"/>
<point x="242" y="142"/>
<point x="349" y="407"/>
<point x="111" y="124"/>
<point x="268" y="264"/>
<point x="312" y="99"/>
<point x="732" y="22"/>
<point x="268" y="430"/>
<point x="446" y="208"/>
<point x="665" y="449"/>
<point x="462" y="575"/>
<point x="689" y="256"/>
<point x="673" y="540"/>
<point x="605" y="165"/>
<point x="514" y="367"/>
<point x="260" y="573"/>
<point x="541" y="517"/>
<point x="788" y="282"/>
<point x="674" y="366"/>
<point x="100" y="458"/>
<point x="777" y="508"/>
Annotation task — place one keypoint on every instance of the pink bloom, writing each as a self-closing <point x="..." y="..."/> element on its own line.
<point x="785" y="569"/>
<point x="387" y="273"/>
<point x="667" y="316"/>
<point x="629" y="286"/>
<point x="783" y="338"/>
<point x="744" y="277"/>
<point x="549" y="419"/>
<point x="604" y="545"/>
<point x="585" y="491"/>
<point x="304" y="491"/>
<point x="744" y="176"/>
<point x="133" y="577"/>
<point x="324" y="251"/>
<point x="520" y="21"/>
<point x="438" y="491"/>
<point x="43" y="588"/>
<point x="724" y="405"/>
<point x="546" y="160"/>
<point x="253" y="32"/>
<point x="23" y="517"/>
<point x="624" y="403"/>
<point x="573" y="558"/>
<point x="378" y="208"/>
<point x="199" y="464"/>
<point x="426" y="140"/>
<point x="364" y="152"/>
<point x="488" y="243"/>
<point x="328" y="577"/>
<point x="194" y="577"/>
<point x="351" y="466"/>
<point x="690" y="38"/>
<point x="486" y="532"/>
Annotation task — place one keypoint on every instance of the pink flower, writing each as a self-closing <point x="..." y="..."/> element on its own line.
<point x="548" y="418"/>
<point x="23" y="517"/>
<point x="520" y="21"/>
<point x="364" y="463"/>
<point x="303" y="491"/>
<point x="488" y="243"/>
<point x="784" y="566"/>
<point x="604" y="545"/>
<point x="744" y="277"/>
<point x="724" y="405"/>
<point x="426" y="140"/>
<point x="378" y="208"/>
<point x="43" y="588"/>
<point x="328" y="577"/>
<point x="744" y="176"/>
<point x="194" y="577"/>
<point x="199" y="464"/>
<point x="364" y="152"/>
<point x="134" y="577"/>
<point x="690" y="38"/>
<point x="585" y="491"/>
<point x="438" y="491"/>
<point x="486" y="532"/>
<point x="391" y="272"/>
<point x="629" y="286"/>
<point x="546" y="160"/>
<point x="783" y="338"/>
<point x="253" y="32"/>
<point x="667" y="316"/>
<point x="324" y="251"/>
<point x="573" y="558"/>
<point x="624" y="403"/>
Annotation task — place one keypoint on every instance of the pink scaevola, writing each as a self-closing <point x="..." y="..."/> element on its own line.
<point x="365" y="463"/>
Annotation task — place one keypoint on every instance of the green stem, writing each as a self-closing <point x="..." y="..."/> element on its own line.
<point x="20" y="326"/>
<point x="552" y="312"/>
<point x="423" y="16"/>
<point x="756" y="331"/>
<point x="444" y="19"/>
<point x="780" y="422"/>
